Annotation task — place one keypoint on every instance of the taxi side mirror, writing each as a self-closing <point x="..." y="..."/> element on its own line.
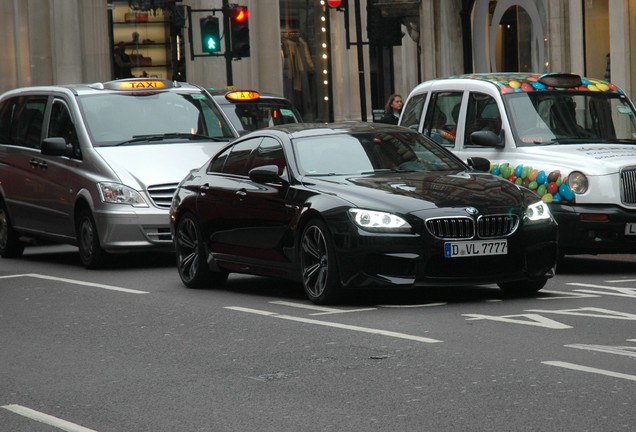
<point x="56" y="146"/>
<point x="487" y="139"/>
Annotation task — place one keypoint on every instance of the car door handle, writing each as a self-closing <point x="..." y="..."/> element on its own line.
<point x="241" y="194"/>
<point x="204" y="188"/>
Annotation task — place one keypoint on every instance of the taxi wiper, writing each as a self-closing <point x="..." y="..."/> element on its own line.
<point x="167" y="136"/>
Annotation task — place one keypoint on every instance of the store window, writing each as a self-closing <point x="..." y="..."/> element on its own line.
<point x="597" y="39"/>
<point x="304" y="28"/>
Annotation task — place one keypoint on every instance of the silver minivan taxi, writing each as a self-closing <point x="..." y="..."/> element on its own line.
<point x="96" y="165"/>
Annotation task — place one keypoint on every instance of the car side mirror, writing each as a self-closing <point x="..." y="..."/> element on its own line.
<point x="487" y="139"/>
<point x="479" y="163"/>
<point x="55" y="146"/>
<point x="265" y="174"/>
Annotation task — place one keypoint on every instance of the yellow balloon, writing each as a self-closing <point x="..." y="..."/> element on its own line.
<point x="547" y="198"/>
<point x="514" y="84"/>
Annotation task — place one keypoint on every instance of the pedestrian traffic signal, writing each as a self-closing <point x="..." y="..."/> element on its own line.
<point x="239" y="31"/>
<point x="210" y="34"/>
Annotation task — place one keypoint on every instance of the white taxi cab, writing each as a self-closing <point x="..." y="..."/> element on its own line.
<point x="570" y="139"/>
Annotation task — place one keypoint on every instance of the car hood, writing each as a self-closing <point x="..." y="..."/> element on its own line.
<point x="592" y="159"/>
<point x="140" y="166"/>
<point x="408" y="192"/>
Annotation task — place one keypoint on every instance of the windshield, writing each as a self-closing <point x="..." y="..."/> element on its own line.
<point x="562" y="117"/>
<point x="371" y="152"/>
<point x="112" y="118"/>
<point x="249" y="116"/>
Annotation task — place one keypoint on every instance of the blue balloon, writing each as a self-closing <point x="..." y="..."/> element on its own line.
<point x="518" y="170"/>
<point x="541" y="177"/>
<point x="538" y="86"/>
<point x="566" y="192"/>
<point x="556" y="198"/>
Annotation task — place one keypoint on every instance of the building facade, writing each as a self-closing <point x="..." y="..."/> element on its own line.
<point x="334" y="63"/>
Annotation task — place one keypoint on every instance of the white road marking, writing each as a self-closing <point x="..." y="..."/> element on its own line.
<point x="46" y="419"/>
<point x="77" y="282"/>
<point x="335" y="325"/>
<point x="590" y="370"/>
<point x="590" y="312"/>
<point x="564" y="295"/>
<point x="629" y="351"/>
<point x="526" y="319"/>
<point x="620" y="292"/>
<point x="621" y="280"/>
<point x="323" y="310"/>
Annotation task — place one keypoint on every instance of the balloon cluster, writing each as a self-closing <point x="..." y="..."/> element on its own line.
<point x="551" y="187"/>
<point x="519" y="82"/>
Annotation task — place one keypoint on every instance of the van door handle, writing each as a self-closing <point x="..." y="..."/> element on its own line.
<point x="35" y="164"/>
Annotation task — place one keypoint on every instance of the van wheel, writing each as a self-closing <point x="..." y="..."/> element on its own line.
<point x="10" y="244"/>
<point x="91" y="253"/>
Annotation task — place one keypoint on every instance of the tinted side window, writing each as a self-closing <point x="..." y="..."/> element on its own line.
<point x="61" y="125"/>
<point x="412" y="112"/>
<point x="270" y="152"/>
<point x="25" y="128"/>
<point x="219" y="160"/>
<point x="7" y="111"/>
<point x="236" y="162"/>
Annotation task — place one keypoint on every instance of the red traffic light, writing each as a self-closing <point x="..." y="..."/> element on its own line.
<point x="241" y="15"/>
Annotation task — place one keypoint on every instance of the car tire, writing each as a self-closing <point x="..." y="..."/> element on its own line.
<point x="191" y="256"/>
<point x="91" y="253"/>
<point x="10" y="244"/>
<point x="523" y="287"/>
<point x="318" y="264"/>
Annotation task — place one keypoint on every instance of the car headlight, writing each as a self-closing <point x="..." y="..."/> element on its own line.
<point x="116" y="193"/>
<point x="378" y="221"/>
<point x="538" y="211"/>
<point x="578" y="182"/>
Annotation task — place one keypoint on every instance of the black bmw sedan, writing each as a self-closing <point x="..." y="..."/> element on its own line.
<point x="357" y="205"/>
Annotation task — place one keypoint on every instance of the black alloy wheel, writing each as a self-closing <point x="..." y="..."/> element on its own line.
<point x="91" y="253"/>
<point x="10" y="244"/>
<point x="191" y="256"/>
<point x="318" y="264"/>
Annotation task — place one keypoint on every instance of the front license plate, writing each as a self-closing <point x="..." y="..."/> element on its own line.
<point x="475" y="248"/>
<point x="630" y="229"/>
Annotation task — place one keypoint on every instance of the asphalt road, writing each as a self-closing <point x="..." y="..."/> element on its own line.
<point x="129" y="349"/>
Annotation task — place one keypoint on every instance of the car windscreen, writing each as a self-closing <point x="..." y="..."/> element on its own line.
<point x="563" y="117"/>
<point x="249" y="116"/>
<point x="370" y="153"/>
<point x="112" y="118"/>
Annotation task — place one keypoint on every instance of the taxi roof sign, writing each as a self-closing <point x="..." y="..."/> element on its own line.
<point x="243" y="95"/>
<point x="138" y="84"/>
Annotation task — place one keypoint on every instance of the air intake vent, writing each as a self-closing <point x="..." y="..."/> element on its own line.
<point x="628" y="186"/>
<point x="451" y="228"/>
<point x="162" y="194"/>
<point x="496" y="225"/>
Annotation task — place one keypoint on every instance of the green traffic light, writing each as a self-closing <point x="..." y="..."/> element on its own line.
<point x="212" y="45"/>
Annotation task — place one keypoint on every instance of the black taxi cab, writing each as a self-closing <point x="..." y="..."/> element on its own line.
<point x="96" y="165"/>
<point x="250" y="110"/>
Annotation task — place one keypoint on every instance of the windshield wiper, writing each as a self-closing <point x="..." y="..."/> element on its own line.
<point x="168" y="136"/>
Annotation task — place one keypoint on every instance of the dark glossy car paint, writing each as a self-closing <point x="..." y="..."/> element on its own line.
<point x="258" y="224"/>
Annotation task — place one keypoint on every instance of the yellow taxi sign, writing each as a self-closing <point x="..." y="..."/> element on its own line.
<point x="143" y="84"/>
<point x="243" y="95"/>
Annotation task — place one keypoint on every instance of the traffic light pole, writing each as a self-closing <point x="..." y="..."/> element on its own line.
<point x="228" y="46"/>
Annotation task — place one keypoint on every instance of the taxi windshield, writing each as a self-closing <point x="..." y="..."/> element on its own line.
<point x="113" y="118"/>
<point x="368" y="153"/>
<point x="249" y="116"/>
<point x="566" y="117"/>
